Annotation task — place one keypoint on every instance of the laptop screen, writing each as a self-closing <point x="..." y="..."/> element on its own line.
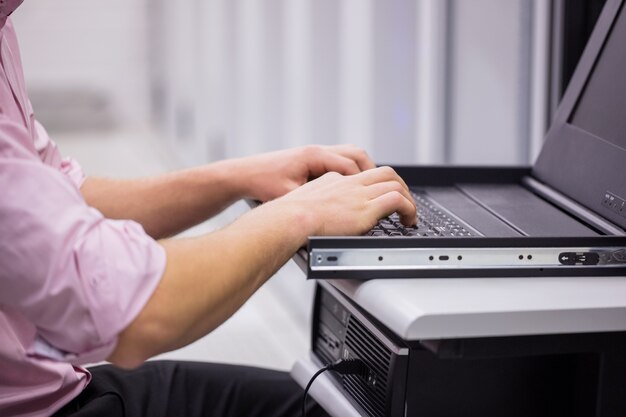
<point x="601" y="109"/>
<point x="584" y="155"/>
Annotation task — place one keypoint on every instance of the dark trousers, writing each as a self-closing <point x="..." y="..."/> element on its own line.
<point x="189" y="389"/>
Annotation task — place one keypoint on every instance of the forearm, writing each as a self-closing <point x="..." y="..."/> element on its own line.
<point x="167" y="204"/>
<point x="208" y="278"/>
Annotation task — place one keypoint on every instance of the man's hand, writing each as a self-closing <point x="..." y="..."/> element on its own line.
<point x="170" y="203"/>
<point x="351" y="205"/>
<point x="268" y="176"/>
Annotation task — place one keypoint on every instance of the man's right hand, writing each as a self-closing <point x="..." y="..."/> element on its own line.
<point x="350" y="205"/>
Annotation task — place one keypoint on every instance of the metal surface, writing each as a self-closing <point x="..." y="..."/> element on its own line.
<point x="459" y="258"/>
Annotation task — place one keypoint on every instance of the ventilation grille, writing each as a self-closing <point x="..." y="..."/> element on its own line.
<point x="370" y="393"/>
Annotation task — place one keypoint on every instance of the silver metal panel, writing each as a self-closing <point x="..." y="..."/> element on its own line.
<point x="481" y="307"/>
<point x="459" y="258"/>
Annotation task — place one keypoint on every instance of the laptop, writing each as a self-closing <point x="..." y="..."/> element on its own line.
<point x="564" y="216"/>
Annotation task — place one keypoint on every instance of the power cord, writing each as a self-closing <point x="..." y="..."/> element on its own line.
<point x="341" y="366"/>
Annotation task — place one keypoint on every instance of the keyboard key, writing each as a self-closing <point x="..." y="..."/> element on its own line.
<point x="431" y="222"/>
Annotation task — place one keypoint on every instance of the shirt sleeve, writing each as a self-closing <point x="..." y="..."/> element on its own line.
<point x="78" y="277"/>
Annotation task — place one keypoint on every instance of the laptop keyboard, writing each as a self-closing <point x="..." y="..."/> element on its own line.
<point x="431" y="222"/>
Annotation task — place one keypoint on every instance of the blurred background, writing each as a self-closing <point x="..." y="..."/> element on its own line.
<point x="137" y="87"/>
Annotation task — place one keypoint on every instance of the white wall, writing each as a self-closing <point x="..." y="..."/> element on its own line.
<point x="98" y="47"/>
<point x="411" y="81"/>
<point x="489" y="78"/>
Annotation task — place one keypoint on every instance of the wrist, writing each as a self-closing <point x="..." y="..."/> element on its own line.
<point x="229" y="175"/>
<point x="240" y="176"/>
<point x="299" y="221"/>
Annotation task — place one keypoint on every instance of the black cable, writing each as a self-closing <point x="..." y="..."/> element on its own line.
<point x="344" y="367"/>
<point x="306" y="390"/>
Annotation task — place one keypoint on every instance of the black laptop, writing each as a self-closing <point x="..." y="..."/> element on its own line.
<point x="564" y="216"/>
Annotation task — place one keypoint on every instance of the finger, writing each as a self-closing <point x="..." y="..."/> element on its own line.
<point x="355" y="153"/>
<point x="380" y="188"/>
<point x="391" y="202"/>
<point x="381" y="174"/>
<point x="333" y="162"/>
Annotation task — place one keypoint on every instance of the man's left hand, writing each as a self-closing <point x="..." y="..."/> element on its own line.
<point x="268" y="176"/>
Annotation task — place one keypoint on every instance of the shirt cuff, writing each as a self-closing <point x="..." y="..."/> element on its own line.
<point x="121" y="268"/>
<point x="41" y="348"/>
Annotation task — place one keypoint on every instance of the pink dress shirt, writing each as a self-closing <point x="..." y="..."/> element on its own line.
<point x="70" y="279"/>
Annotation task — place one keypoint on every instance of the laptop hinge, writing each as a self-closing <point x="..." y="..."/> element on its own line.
<point x="572" y="207"/>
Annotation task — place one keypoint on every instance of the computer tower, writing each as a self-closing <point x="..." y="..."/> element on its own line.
<point x="454" y="377"/>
